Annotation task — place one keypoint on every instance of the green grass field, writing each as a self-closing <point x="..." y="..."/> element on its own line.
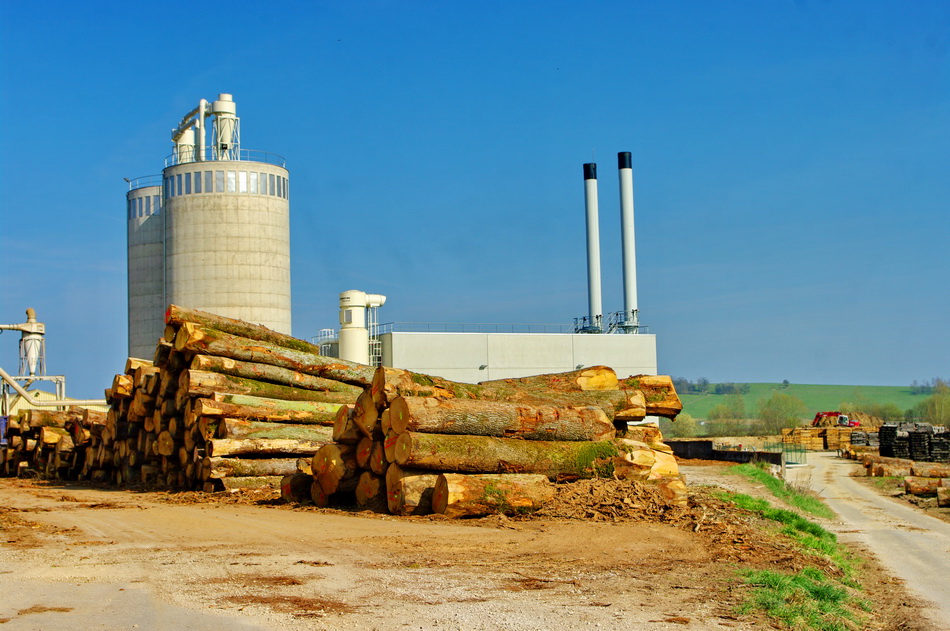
<point x="816" y="398"/>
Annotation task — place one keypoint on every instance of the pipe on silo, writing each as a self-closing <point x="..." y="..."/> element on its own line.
<point x="593" y="246"/>
<point x="630" y="309"/>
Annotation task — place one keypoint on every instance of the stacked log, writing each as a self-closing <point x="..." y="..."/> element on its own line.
<point x="414" y="444"/>
<point x="42" y="442"/>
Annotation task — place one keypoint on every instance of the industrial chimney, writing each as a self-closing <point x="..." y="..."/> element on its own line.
<point x="593" y="249"/>
<point x="631" y="317"/>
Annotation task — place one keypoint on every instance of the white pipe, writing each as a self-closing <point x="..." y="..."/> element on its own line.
<point x="593" y="246"/>
<point x="202" y="113"/>
<point x="26" y="395"/>
<point x="629" y="243"/>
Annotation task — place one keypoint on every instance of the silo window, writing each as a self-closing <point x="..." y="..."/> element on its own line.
<point x="232" y="181"/>
<point x="168" y="189"/>
<point x="208" y="184"/>
<point x="187" y="183"/>
<point x="197" y="181"/>
<point x="219" y="181"/>
<point x="156" y="204"/>
<point x="263" y="184"/>
<point x="242" y="181"/>
<point x="279" y="182"/>
<point x="254" y="175"/>
<point x="286" y="190"/>
<point x="178" y="184"/>
<point x="272" y="189"/>
<point x="148" y="206"/>
<point x="131" y="208"/>
<point x="138" y="204"/>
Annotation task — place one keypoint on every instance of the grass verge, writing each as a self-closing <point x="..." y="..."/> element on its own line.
<point x="812" y="598"/>
<point x="780" y="489"/>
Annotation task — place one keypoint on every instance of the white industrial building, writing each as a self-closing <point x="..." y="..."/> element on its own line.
<point x="212" y="232"/>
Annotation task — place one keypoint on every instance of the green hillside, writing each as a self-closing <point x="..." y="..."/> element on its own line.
<point x="816" y="398"/>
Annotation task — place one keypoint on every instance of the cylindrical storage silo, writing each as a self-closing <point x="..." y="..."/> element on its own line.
<point x="145" y="265"/>
<point x="227" y="239"/>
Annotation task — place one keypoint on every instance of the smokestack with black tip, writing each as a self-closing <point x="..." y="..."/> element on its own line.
<point x="630" y="309"/>
<point x="593" y="246"/>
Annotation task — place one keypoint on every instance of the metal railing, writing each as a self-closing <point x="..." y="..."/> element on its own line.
<point x="145" y="180"/>
<point x="471" y="327"/>
<point x="244" y="155"/>
<point x="616" y="323"/>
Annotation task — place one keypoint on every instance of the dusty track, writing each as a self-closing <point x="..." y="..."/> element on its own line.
<point x="914" y="546"/>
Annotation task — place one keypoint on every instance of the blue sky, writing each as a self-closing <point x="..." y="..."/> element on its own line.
<point x="790" y="164"/>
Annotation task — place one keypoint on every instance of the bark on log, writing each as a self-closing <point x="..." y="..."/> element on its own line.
<point x="262" y="447"/>
<point x="270" y="374"/>
<point x="296" y="488"/>
<point x="915" y="485"/>
<point x="239" y="428"/>
<point x="930" y="470"/>
<point x="263" y="408"/>
<point x="483" y="454"/>
<point x="943" y="497"/>
<point x="457" y="495"/>
<point x="246" y="467"/>
<point x="660" y="394"/>
<point x="177" y="316"/>
<point x="197" y="339"/>
<point x="884" y="470"/>
<point x="409" y="491"/>
<point x="237" y="483"/>
<point x="334" y="467"/>
<point x="494" y="418"/>
<point x="593" y="378"/>
<point x="199" y="383"/>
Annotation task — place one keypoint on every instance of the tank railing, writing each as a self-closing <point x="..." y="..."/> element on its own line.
<point x="145" y="180"/>
<point x="471" y="327"/>
<point x="244" y="155"/>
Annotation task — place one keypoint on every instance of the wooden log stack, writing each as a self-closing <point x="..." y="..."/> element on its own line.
<point x="225" y="404"/>
<point x="42" y="442"/>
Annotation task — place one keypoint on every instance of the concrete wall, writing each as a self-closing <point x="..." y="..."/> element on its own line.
<point x="227" y="246"/>
<point x="459" y="356"/>
<point x="146" y="270"/>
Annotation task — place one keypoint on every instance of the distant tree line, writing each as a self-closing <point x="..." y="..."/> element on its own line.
<point x="702" y="386"/>
<point x="928" y="387"/>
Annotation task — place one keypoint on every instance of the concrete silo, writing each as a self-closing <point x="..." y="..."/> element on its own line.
<point x="146" y="230"/>
<point x="225" y="226"/>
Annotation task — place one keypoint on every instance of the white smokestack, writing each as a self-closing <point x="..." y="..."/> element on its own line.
<point x="593" y="246"/>
<point x="630" y="309"/>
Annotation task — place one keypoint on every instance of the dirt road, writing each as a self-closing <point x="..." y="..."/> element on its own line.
<point x="914" y="546"/>
<point x="98" y="559"/>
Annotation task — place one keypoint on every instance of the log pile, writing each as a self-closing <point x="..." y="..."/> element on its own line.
<point x="42" y="442"/>
<point x="415" y="444"/>
<point x="224" y="404"/>
<point x="817" y="438"/>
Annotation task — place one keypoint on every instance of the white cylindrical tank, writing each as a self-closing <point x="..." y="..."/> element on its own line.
<point x="145" y="221"/>
<point x="227" y="131"/>
<point x="354" y="335"/>
<point x="630" y="309"/>
<point x="227" y="240"/>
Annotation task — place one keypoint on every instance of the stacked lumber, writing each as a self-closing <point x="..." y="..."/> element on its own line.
<point x="42" y="442"/>
<point x="810" y="438"/>
<point x="415" y="444"/>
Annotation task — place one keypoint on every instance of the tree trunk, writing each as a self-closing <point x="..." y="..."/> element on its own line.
<point x="218" y="447"/>
<point x="915" y="485"/>
<point x="483" y="454"/>
<point x="371" y="492"/>
<point x="334" y="467"/>
<point x="409" y="491"/>
<point x="364" y="449"/>
<point x="378" y="463"/>
<point x="237" y="483"/>
<point x="295" y="411"/>
<point x="345" y="429"/>
<point x="365" y="414"/>
<point x="296" y="488"/>
<point x="457" y="495"/>
<point x="198" y="383"/>
<point x="270" y="374"/>
<point x="197" y="339"/>
<point x="494" y="418"/>
<point x="884" y="470"/>
<point x="177" y="316"/>
<point x="121" y="387"/>
<point x="930" y="470"/>
<point x="246" y="467"/>
<point x="660" y="394"/>
<point x="593" y="378"/>
<point x="239" y="428"/>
